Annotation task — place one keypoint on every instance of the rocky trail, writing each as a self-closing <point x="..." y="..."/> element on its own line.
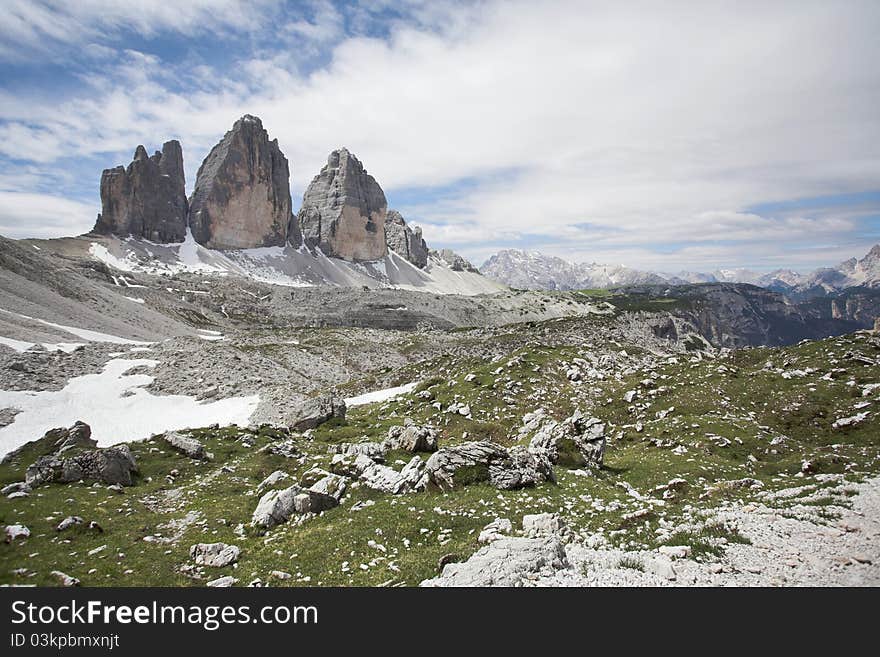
<point x="834" y="545"/>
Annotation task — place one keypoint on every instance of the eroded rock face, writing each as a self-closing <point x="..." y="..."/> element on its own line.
<point x="343" y="211"/>
<point x="241" y="199"/>
<point x="405" y="241"/>
<point x="147" y="199"/>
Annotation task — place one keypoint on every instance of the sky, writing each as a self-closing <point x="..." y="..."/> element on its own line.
<point x="667" y="136"/>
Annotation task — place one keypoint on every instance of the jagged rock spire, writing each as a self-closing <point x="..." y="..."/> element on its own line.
<point x="241" y="197"/>
<point x="343" y="211"/>
<point x="147" y="199"/>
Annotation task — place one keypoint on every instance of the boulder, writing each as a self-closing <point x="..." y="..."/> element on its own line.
<point x="19" y="488"/>
<point x="272" y="480"/>
<point x="223" y="582"/>
<point x="79" y="435"/>
<point x="147" y="199"/>
<point x="311" y="501"/>
<point x="186" y="445"/>
<point x="577" y="441"/>
<point x="343" y="211"/>
<point x="317" y="410"/>
<point x="412" y="476"/>
<point x="405" y="241"/>
<point x="14" y="532"/>
<point x="64" y="579"/>
<point x="520" y="469"/>
<point x="498" y="528"/>
<point x="412" y="438"/>
<point x="331" y="485"/>
<point x="68" y="522"/>
<point x="113" y="465"/>
<point x="542" y="524"/>
<point x="241" y="198"/>
<point x="215" y="555"/>
<point x="508" y="561"/>
<point x="466" y="462"/>
<point x="375" y="451"/>
<point x="275" y="507"/>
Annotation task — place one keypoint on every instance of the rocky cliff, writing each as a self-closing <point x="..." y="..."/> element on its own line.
<point x="241" y="197"/>
<point x="343" y="211"/>
<point x="455" y="261"/>
<point x="147" y="199"/>
<point x="405" y="241"/>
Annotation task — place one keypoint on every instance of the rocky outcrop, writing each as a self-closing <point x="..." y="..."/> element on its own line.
<point x="577" y="441"/>
<point x="455" y="261"/>
<point x="411" y="477"/>
<point x="510" y="561"/>
<point x="147" y="199"/>
<point x="241" y="198"/>
<point x="343" y="211"/>
<point x="317" y="410"/>
<point x="114" y="465"/>
<point x="411" y="438"/>
<point x="215" y="555"/>
<point x="464" y="463"/>
<point x="405" y="241"/>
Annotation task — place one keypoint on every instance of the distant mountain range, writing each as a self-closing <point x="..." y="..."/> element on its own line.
<point x="536" y="271"/>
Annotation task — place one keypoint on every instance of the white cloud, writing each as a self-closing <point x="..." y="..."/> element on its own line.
<point x="649" y="123"/>
<point x="42" y="26"/>
<point x="42" y="215"/>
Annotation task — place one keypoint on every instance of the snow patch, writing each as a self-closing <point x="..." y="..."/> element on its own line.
<point x="117" y="408"/>
<point x="380" y="395"/>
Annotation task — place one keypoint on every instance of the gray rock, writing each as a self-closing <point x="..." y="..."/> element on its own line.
<point x="405" y="241"/>
<point x="542" y="524"/>
<point x="470" y="460"/>
<point x="412" y="438"/>
<point x="275" y="507"/>
<point x="241" y="198"/>
<point x="215" y="555"/>
<point x="412" y="477"/>
<point x="148" y="199"/>
<point x="455" y="261"/>
<point x="317" y="410"/>
<point x="505" y="562"/>
<point x="18" y="487"/>
<point x="272" y="480"/>
<point x="113" y="465"/>
<point x="343" y="211"/>
<point x="375" y="451"/>
<point x="223" y="582"/>
<point x="79" y="435"/>
<point x="498" y="528"/>
<point x="68" y="522"/>
<point x="577" y="441"/>
<point x="520" y="469"/>
<point x="186" y="445"/>
<point x="14" y="532"/>
<point x="65" y="579"/>
<point x="311" y="501"/>
<point x="331" y="485"/>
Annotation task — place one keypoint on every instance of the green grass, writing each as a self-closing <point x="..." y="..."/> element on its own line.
<point x="748" y="407"/>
